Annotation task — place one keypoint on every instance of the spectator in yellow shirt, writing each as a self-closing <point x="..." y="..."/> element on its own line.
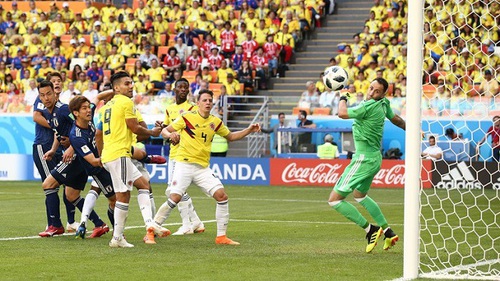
<point x="89" y="11"/>
<point x="132" y="23"/>
<point x="142" y="86"/>
<point x="58" y="27"/>
<point x="108" y="10"/>
<point x="156" y="75"/>
<point x="142" y="12"/>
<point x="115" y="61"/>
<point x="82" y="83"/>
<point x="104" y="48"/>
<point x="232" y="85"/>
<point x="160" y="25"/>
<point x="68" y="16"/>
<point x="223" y="72"/>
<point x="82" y="49"/>
<point x="128" y="48"/>
<point x="361" y="84"/>
<point x="194" y="12"/>
<point x="261" y="33"/>
<point x="44" y="69"/>
<point x="93" y="56"/>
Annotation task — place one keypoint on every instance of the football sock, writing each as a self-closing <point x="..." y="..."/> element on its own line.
<point x="49" y="220"/>
<point x="193" y="216"/>
<point x="146" y="159"/>
<point x="222" y="217"/>
<point x="152" y="202"/>
<point x="121" y="213"/>
<point x="374" y="211"/>
<point x="367" y="229"/>
<point x="350" y="212"/>
<point x="145" y="205"/>
<point x="70" y="208"/>
<point x="183" y="207"/>
<point x="111" y="215"/>
<point x="88" y="205"/>
<point x="93" y="217"/>
<point x="164" y="211"/>
<point x="52" y="202"/>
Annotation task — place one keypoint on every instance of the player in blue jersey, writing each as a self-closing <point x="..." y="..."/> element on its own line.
<point x="82" y="139"/>
<point x="44" y="137"/>
<point x="68" y="171"/>
<point x="71" y="225"/>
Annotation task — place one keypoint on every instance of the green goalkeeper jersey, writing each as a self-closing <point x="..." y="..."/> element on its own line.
<point x="369" y="118"/>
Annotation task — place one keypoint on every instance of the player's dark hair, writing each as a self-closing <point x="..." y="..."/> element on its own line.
<point x="76" y="103"/>
<point x="181" y="80"/>
<point x="205" y="91"/>
<point x="45" y="83"/>
<point x="383" y="82"/>
<point x="117" y="76"/>
<point x="53" y="74"/>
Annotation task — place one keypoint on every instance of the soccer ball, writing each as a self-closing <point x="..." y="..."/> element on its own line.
<point x="335" y="78"/>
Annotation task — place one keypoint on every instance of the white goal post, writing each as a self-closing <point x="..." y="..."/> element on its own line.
<point x="413" y="128"/>
<point x="451" y="230"/>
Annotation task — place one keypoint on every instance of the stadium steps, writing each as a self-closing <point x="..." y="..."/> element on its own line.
<point x="348" y="19"/>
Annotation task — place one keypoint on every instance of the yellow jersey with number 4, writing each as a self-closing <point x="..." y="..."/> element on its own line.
<point x="197" y="134"/>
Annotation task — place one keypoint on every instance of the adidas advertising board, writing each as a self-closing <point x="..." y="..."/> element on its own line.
<point x="466" y="175"/>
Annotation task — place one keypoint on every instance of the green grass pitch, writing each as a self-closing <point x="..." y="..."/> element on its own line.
<point x="286" y="233"/>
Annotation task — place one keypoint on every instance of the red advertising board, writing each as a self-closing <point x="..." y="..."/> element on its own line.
<point x="317" y="172"/>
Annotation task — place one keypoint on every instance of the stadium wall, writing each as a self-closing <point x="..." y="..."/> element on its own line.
<point x="394" y="137"/>
<point x="18" y="131"/>
<point x="301" y="172"/>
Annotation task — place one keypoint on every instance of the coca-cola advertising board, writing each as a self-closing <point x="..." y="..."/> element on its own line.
<point x="317" y="172"/>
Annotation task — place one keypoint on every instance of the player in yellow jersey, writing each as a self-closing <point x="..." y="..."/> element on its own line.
<point x="191" y="223"/>
<point x="197" y="130"/>
<point x="119" y="124"/>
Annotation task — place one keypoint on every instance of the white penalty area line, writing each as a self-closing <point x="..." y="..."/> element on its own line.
<point x="231" y="220"/>
<point x="73" y="234"/>
<point x="208" y="221"/>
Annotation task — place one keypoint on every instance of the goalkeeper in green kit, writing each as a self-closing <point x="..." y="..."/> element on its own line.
<point x="369" y="117"/>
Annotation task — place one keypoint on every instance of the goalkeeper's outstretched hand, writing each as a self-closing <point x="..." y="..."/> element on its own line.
<point x="345" y="97"/>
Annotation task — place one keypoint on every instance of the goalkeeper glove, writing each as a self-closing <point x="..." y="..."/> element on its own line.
<point x="345" y="97"/>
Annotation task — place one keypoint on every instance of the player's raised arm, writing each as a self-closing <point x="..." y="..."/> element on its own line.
<point x="40" y="120"/>
<point x="234" y="136"/>
<point x="398" y="121"/>
<point x="137" y="129"/>
<point x="342" y="111"/>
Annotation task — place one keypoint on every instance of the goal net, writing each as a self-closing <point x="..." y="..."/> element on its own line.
<point x="460" y="213"/>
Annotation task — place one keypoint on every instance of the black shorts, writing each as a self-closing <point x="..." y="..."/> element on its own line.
<point x="103" y="180"/>
<point x="70" y="174"/>
<point x="43" y="166"/>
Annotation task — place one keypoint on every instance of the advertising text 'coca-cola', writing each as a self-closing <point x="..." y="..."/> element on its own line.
<point x="317" y="172"/>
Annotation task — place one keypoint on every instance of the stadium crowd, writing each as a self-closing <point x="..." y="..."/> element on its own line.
<point x="236" y="44"/>
<point x="461" y="59"/>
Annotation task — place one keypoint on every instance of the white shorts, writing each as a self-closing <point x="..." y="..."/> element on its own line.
<point x="170" y="166"/>
<point x="140" y="166"/>
<point x="123" y="173"/>
<point x="183" y="174"/>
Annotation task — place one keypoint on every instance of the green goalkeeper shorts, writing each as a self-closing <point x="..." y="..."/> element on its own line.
<point x="359" y="173"/>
